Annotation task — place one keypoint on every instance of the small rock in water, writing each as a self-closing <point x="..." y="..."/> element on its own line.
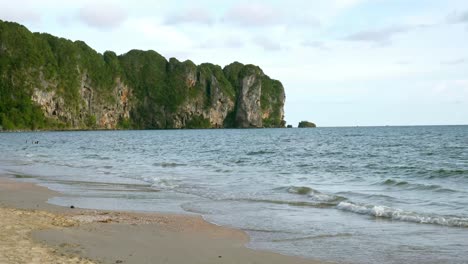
<point x="306" y="124"/>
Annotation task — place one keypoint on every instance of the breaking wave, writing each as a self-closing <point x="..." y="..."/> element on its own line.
<point x="401" y="215"/>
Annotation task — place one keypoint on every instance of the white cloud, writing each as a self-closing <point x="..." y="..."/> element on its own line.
<point x="219" y="43"/>
<point x="315" y="44"/>
<point x="380" y="36"/>
<point x="102" y="15"/>
<point x="234" y="43"/>
<point x="254" y="14"/>
<point x="344" y="4"/>
<point x="450" y="91"/>
<point x="457" y="17"/>
<point x="190" y="16"/>
<point x="16" y="11"/>
<point x="454" y="61"/>
<point x="269" y="15"/>
<point x="162" y="35"/>
<point x="267" y="43"/>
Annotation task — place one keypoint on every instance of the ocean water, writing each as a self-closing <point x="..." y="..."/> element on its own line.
<point x="348" y="195"/>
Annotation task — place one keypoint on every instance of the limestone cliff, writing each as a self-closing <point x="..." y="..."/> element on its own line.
<point x="92" y="112"/>
<point x="260" y="100"/>
<point x="52" y="83"/>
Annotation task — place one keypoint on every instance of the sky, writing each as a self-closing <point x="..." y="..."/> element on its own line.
<point x="341" y="62"/>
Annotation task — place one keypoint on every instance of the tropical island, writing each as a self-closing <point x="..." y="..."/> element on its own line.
<point x="306" y="124"/>
<point x="52" y="83"/>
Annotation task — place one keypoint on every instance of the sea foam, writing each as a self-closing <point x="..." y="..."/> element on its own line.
<point x="402" y="215"/>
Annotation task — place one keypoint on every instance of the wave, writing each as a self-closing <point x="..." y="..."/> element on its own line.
<point x="401" y="215"/>
<point x="395" y="182"/>
<point x="446" y="173"/>
<point x="313" y="237"/>
<point x="314" y="204"/>
<point x="261" y="152"/>
<point x="316" y="195"/>
<point x="313" y="196"/>
<point x="371" y="196"/>
<point x="168" y="164"/>
<point x="416" y="186"/>
<point x="95" y="157"/>
<point x="300" y="190"/>
<point x="268" y="230"/>
<point x="23" y="176"/>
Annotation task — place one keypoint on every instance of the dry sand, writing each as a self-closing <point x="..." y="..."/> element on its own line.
<point x="32" y="231"/>
<point x="16" y="225"/>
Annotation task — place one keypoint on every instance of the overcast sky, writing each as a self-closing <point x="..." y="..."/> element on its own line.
<point x="342" y="62"/>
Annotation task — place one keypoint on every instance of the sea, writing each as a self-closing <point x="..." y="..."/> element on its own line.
<point x="344" y="195"/>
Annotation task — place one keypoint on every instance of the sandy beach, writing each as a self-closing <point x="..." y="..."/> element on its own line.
<point x="33" y="231"/>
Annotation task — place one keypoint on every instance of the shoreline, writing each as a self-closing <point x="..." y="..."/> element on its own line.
<point x="48" y="233"/>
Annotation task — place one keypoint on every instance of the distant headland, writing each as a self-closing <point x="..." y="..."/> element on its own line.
<point x="51" y="83"/>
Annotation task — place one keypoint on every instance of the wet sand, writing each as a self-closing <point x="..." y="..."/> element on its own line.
<point x="32" y="231"/>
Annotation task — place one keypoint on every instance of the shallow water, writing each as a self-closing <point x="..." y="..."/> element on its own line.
<point x="351" y="195"/>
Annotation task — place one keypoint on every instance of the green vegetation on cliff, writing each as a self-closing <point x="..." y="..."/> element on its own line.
<point x="272" y="92"/>
<point x="48" y="82"/>
<point x="29" y="60"/>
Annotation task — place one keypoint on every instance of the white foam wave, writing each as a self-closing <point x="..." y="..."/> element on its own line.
<point x="401" y="215"/>
<point x="162" y="183"/>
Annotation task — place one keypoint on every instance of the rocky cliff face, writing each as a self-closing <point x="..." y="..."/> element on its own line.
<point x="260" y="100"/>
<point x="104" y="113"/>
<point x="248" y="102"/>
<point x="209" y="98"/>
<point x="92" y="111"/>
<point x="47" y="82"/>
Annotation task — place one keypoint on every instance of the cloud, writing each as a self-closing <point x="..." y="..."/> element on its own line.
<point x="153" y="31"/>
<point x="304" y="20"/>
<point x="180" y="55"/>
<point x="264" y="15"/>
<point x="233" y="43"/>
<point x="451" y="90"/>
<point x="384" y="36"/>
<point x="19" y="15"/>
<point x="315" y="44"/>
<point x="381" y="36"/>
<point x="256" y="15"/>
<point x="454" y="62"/>
<point x="266" y="43"/>
<point x="457" y="18"/>
<point x="190" y="16"/>
<point x="230" y="43"/>
<point x="347" y="3"/>
<point x="103" y="15"/>
<point x="403" y="62"/>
